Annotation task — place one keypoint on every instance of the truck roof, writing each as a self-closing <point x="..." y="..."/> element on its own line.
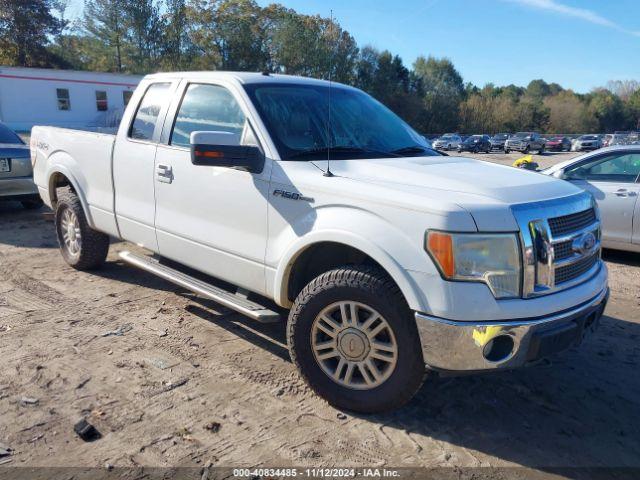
<point x="245" y="77"/>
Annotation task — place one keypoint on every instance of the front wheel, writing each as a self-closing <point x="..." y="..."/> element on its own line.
<point x="82" y="247"/>
<point x="354" y="340"/>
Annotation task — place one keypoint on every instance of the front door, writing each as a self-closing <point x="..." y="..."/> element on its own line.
<point x="612" y="179"/>
<point x="213" y="219"/>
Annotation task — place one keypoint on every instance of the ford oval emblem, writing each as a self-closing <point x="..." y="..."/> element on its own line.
<point x="584" y="243"/>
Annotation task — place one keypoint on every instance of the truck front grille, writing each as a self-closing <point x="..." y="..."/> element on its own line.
<point x="575" y="270"/>
<point x="563" y="250"/>
<point x="571" y="223"/>
<point x="559" y="250"/>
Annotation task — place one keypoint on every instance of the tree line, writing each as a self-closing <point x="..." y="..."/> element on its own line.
<point x="143" y="36"/>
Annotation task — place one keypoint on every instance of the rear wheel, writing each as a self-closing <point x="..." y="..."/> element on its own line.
<point x="82" y="247"/>
<point x="353" y="338"/>
<point x="526" y="150"/>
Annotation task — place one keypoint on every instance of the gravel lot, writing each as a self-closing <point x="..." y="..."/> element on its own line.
<point x="172" y="380"/>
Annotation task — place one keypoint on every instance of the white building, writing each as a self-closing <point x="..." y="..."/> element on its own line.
<point x="62" y="98"/>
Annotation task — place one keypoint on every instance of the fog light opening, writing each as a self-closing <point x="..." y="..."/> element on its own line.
<point x="498" y="349"/>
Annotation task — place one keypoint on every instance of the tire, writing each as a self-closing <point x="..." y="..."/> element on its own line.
<point x="526" y="150"/>
<point x="506" y="150"/>
<point x="32" y="204"/>
<point x="541" y="151"/>
<point x="374" y="293"/>
<point x="85" y="251"/>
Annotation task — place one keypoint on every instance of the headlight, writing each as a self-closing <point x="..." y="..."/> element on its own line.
<point x="475" y="257"/>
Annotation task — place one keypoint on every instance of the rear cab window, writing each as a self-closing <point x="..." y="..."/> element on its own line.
<point x="146" y="118"/>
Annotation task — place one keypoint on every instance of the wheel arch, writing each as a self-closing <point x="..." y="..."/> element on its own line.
<point x="296" y="268"/>
<point x="60" y="177"/>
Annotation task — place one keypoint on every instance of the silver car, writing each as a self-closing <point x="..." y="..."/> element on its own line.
<point x="448" y="141"/>
<point x="586" y="142"/>
<point x="16" y="173"/>
<point x="612" y="175"/>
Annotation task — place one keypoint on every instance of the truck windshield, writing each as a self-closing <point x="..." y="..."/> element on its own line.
<point x="297" y="117"/>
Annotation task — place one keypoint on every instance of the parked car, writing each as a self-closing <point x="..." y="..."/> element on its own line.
<point x="558" y="144"/>
<point x="449" y="141"/>
<point x="498" y="141"/>
<point x="525" y="142"/>
<point x="586" y="142"/>
<point x="475" y="144"/>
<point x="16" y="175"/>
<point x="612" y="176"/>
<point x="387" y="257"/>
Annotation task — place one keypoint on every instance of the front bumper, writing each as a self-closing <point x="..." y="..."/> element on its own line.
<point x="517" y="148"/>
<point x="456" y="346"/>
<point x="18" y="188"/>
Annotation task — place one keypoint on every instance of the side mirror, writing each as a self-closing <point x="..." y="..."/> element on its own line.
<point x="223" y="149"/>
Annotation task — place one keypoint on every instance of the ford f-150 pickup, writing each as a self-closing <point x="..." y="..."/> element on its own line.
<point x="392" y="261"/>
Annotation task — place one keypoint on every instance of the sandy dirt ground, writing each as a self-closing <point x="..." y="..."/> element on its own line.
<point x="172" y="380"/>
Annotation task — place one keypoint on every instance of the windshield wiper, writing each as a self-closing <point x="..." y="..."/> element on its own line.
<point x="409" y="149"/>
<point x="339" y="149"/>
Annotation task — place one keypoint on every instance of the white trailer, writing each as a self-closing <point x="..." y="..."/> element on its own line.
<point x="62" y="98"/>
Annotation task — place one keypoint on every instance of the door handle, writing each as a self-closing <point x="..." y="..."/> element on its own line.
<point x="164" y="173"/>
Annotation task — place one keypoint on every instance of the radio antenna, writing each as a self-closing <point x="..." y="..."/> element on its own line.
<point x="328" y="172"/>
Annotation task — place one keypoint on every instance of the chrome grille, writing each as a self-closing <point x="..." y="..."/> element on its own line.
<point x="560" y="243"/>
<point x="574" y="270"/>
<point x="571" y="223"/>
<point x="563" y="250"/>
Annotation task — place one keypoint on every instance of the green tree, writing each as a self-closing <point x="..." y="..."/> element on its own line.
<point x="176" y="46"/>
<point x="608" y="110"/>
<point x="443" y="90"/>
<point x="569" y="114"/>
<point x="26" y="27"/>
<point x="105" y="23"/>
<point x="143" y="27"/>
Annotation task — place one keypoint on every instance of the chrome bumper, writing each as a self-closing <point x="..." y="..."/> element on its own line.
<point x="454" y="346"/>
<point x="15" y="187"/>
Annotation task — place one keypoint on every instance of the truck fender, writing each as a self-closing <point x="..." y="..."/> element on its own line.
<point x="58" y="164"/>
<point x="404" y="281"/>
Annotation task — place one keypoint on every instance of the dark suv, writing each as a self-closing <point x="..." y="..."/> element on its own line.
<point x="525" y="142"/>
<point x="475" y="144"/>
<point x="498" y="141"/>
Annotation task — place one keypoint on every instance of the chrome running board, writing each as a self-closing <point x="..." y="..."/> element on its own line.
<point x="239" y="303"/>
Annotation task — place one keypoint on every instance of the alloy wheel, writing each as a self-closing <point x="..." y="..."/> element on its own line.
<point x="354" y="345"/>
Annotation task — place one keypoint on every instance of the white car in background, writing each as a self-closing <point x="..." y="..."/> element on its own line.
<point x="586" y="142"/>
<point x="449" y="141"/>
<point x="612" y="175"/>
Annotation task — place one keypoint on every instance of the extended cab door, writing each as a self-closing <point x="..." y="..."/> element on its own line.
<point x="213" y="219"/>
<point x="134" y="155"/>
<point x="612" y="179"/>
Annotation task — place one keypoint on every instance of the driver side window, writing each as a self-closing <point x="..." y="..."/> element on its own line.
<point x="207" y="108"/>
<point x="615" y="168"/>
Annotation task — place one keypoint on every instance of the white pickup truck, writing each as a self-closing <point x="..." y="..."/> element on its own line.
<point x="314" y="198"/>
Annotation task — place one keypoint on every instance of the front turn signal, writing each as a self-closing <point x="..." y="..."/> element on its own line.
<point x="440" y="246"/>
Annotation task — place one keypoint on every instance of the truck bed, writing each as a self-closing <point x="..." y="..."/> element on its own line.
<point x="84" y="158"/>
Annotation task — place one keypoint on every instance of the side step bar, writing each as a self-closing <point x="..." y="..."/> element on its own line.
<point x="230" y="300"/>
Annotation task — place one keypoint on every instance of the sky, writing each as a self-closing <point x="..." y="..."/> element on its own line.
<point x="578" y="44"/>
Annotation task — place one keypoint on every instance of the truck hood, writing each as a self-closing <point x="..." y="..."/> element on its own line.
<point x="486" y="190"/>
